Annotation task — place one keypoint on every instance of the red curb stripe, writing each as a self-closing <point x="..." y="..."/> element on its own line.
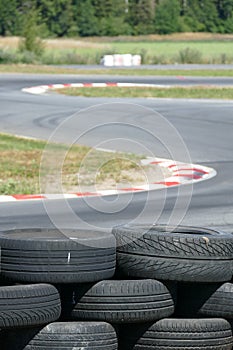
<point x="195" y="169"/>
<point x="87" y="84"/>
<point x="130" y="189"/>
<point x="28" y="196"/>
<point x="167" y="183"/>
<point x="156" y="162"/>
<point x="172" y="166"/>
<point x="67" y="85"/>
<point x="111" y="84"/>
<point x="81" y="194"/>
<point x="193" y="176"/>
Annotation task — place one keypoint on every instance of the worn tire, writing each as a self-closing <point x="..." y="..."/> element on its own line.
<point x="179" y="334"/>
<point x="48" y="255"/>
<point x="167" y="253"/>
<point x="29" y="305"/>
<point x="125" y="302"/>
<point x="64" y="336"/>
<point x="214" y="300"/>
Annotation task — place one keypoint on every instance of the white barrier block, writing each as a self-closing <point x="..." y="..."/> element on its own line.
<point x="118" y="60"/>
<point x="127" y="59"/>
<point x="136" y="60"/>
<point x="108" y="60"/>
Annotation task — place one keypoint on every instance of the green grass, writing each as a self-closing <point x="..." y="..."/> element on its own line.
<point x="152" y="52"/>
<point x="175" y="92"/>
<point x="159" y="50"/>
<point x="20" y="161"/>
<point x="208" y="48"/>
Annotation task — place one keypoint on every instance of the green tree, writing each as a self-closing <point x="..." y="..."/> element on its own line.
<point x="202" y="15"/>
<point x="113" y="17"/>
<point x="103" y="8"/>
<point x="225" y="13"/>
<point x="58" y="16"/>
<point x="228" y="25"/>
<point x="8" y="15"/>
<point x="208" y="15"/>
<point x="190" y="10"/>
<point x="141" y="16"/>
<point x="87" y="22"/>
<point x="31" y="41"/>
<point x="225" y="9"/>
<point x="117" y="17"/>
<point x="113" y="26"/>
<point x="167" y="14"/>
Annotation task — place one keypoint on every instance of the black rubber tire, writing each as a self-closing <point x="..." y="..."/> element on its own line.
<point x="64" y="336"/>
<point x="29" y="305"/>
<point x="179" y="334"/>
<point x="181" y="253"/>
<point x="125" y="302"/>
<point x="211" y="300"/>
<point x="48" y="255"/>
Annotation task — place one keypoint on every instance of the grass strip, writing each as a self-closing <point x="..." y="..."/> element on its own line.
<point x="165" y="49"/>
<point x="20" y="161"/>
<point x="174" y="92"/>
<point x="43" y="69"/>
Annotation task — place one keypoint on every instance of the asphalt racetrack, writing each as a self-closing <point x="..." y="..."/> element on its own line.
<point x="197" y="131"/>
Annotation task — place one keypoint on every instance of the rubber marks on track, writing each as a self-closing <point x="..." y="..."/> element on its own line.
<point x="41" y="89"/>
<point x="181" y="174"/>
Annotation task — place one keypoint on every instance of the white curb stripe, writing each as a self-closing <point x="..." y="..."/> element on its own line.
<point x="181" y="174"/>
<point x="42" y="89"/>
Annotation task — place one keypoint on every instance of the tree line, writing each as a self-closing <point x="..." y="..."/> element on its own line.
<point x="59" y="18"/>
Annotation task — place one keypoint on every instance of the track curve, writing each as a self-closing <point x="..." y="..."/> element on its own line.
<point x="204" y="126"/>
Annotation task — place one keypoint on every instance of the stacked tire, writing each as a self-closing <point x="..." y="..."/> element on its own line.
<point x="35" y="263"/>
<point x="198" y="261"/>
<point x="137" y="288"/>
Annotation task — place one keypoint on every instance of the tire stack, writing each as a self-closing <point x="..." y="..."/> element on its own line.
<point x="35" y="265"/>
<point x="139" y="288"/>
<point x="199" y="262"/>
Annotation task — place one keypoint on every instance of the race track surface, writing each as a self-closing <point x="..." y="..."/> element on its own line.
<point x="199" y="131"/>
